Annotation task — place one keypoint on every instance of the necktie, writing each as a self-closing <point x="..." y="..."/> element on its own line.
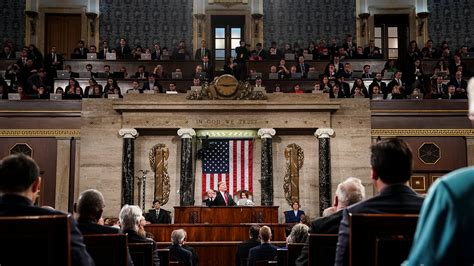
<point x="205" y="66"/>
<point x="203" y="52"/>
<point x="302" y="68"/>
<point x="225" y="199"/>
<point x="54" y="57"/>
<point x="157" y="213"/>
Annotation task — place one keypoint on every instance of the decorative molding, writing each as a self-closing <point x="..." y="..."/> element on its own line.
<point x="128" y="133"/>
<point x="22" y="148"/>
<point x="429" y="151"/>
<point x="40" y="133"/>
<point x="266" y="133"/>
<point x="216" y="134"/>
<point x="324" y="133"/>
<point x="462" y="132"/>
<point x="186" y="133"/>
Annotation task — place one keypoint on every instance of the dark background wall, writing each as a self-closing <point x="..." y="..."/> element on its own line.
<point x="145" y="22"/>
<point x="305" y="20"/>
<point x="12" y="22"/>
<point x="451" y="20"/>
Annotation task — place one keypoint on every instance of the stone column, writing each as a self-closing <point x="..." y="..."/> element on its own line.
<point x="128" y="161"/>
<point x="323" y="135"/>
<point x="267" y="165"/>
<point x="186" y="188"/>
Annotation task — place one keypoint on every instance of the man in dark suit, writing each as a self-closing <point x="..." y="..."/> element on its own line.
<point x="397" y="80"/>
<point x="302" y="67"/>
<point x="211" y="196"/>
<point x="348" y="192"/>
<point x="157" y="215"/>
<point x="89" y="207"/>
<point x="80" y="52"/>
<point x="244" y="247"/>
<point x="459" y="83"/>
<point x="294" y="215"/>
<point x="123" y="50"/>
<point x="439" y="85"/>
<point x="152" y="84"/>
<point x="141" y="73"/>
<point x="349" y="46"/>
<point x="366" y="73"/>
<point x="223" y="198"/>
<point x="20" y="184"/>
<point x="177" y="252"/>
<point x="382" y="85"/>
<point x="392" y="163"/>
<point x="265" y="251"/>
<point x="208" y="68"/>
<point x="202" y="51"/>
<point x="104" y="50"/>
<point x="7" y="53"/>
<point x="53" y="61"/>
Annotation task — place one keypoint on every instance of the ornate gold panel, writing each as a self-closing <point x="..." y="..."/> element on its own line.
<point x="294" y="155"/>
<point x="158" y="156"/>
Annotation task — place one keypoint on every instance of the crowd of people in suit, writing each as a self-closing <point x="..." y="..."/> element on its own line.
<point x="33" y="74"/>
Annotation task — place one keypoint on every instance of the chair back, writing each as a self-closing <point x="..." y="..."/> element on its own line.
<point x="294" y="251"/>
<point x="49" y="234"/>
<point x="370" y="234"/>
<point x="164" y="255"/>
<point x="322" y="249"/>
<point x="107" y="249"/>
<point x="141" y="253"/>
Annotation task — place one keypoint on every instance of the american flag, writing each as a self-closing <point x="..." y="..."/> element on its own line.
<point x="230" y="161"/>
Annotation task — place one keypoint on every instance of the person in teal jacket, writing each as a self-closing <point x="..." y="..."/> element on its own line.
<point x="445" y="230"/>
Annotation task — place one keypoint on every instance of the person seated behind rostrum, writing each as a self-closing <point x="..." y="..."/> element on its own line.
<point x="157" y="215"/>
<point x="245" y="199"/>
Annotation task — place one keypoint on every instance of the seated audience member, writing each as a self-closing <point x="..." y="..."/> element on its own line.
<point x="302" y="67"/>
<point x="93" y="49"/>
<point x="293" y="215"/>
<point x="359" y="54"/>
<point x="378" y="82"/>
<point x="71" y="87"/>
<point x="317" y="87"/>
<point x="107" y="71"/>
<point x="325" y="84"/>
<point x="124" y="73"/>
<point x="53" y="60"/>
<point x="89" y="90"/>
<point x="395" y="94"/>
<point x="208" y="68"/>
<point x="349" y="46"/>
<point x="137" y="53"/>
<point x="59" y="90"/>
<point x="392" y="163"/>
<point x="141" y="73"/>
<point x="390" y="66"/>
<point x="199" y="73"/>
<point x="258" y="82"/>
<point x="157" y="215"/>
<point x="130" y="216"/>
<point x="89" y="207"/>
<point x="283" y="71"/>
<point x="180" y="52"/>
<point x="177" y="252"/>
<point x="156" y="54"/>
<point x="375" y="91"/>
<point x="244" y="247"/>
<point x="21" y="90"/>
<point x="429" y="51"/>
<point x="264" y="251"/>
<point x="72" y="74"/>
<point x="89" y="69"/>
<point x="356" y="92"/>
<point x="113" y="91"/>
<point x="336" y="92"/>
<point x="299" y="234"/>
<point x="397" y="80"/>
<point x="273" y="54"/>
<point x="7" y="52"/>
<point x="36" y="80"/>
<point x="42" y="93"/>
<point x="135" y="87"/>
<point x="452" y="94"/>
<point x="97" y="92"/>
<point x="459" y="83"/>
<point x="457" y="62"/>
<point x="104" y="50"/>
<point x="111" y="85"/>
<point x="223" y="198"/>
<point x="372" y="51"/>
<point x="366" y="72"/>
<point x="160" y="72"/>
<point x="80" y="52"/>
<point x="20" y="183"/>
<point x="211" y="195"/>
<point x="344" y="87"/>
<point x="255" y="57"/>
<point x="297" y="89"/>
<point x="358" y="83"/>
<point x="152" y="84"/>
<point x="259" y="51"/>
<point x="245" y="199"/>
<point x="347" y="71"/>
<point x="171" y="87"/>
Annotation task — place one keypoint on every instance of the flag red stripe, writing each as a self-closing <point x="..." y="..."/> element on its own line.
<point x="250" y="160"/>
<point x="234" y="163"/>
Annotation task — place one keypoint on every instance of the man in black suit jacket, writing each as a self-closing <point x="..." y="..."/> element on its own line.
<point x="177" y="252"/>
<point x="265" y="251"/>
<point x="202" y="51"/>
<point x="392" y="162"/>
<point x="104" y="50"/>
<point x="20" y="184"/>
<point x="157" y="215"/>
<point x="80" y="52"/>
<point x="348" y="192"/>
<point x="152" y="84"/>
<point x="123" y="50"/>
<point x="211" y="196"/>
<point x="53" y="60"/>
<point x="382" y="85"/>
<point x="89" y="208"/>
<point x="459" y="83"/>
<point x="244" y="247"/>
<point x="302" y="67"/>
<point x="223" y="198"/>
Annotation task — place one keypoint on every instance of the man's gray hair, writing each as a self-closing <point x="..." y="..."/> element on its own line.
<point x="350" y="191"/>
<point x="129" y="217"/>
<point x="90" y="203"/>
<point x="299" y="233"/>
<point x="178" y="236"/>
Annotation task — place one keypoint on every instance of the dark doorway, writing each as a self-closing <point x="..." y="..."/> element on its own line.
<point x="392" y="35"/>
<point x="62" y="30"/>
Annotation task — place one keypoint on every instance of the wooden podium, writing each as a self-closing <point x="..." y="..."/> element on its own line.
<point x="225" y="215"/>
